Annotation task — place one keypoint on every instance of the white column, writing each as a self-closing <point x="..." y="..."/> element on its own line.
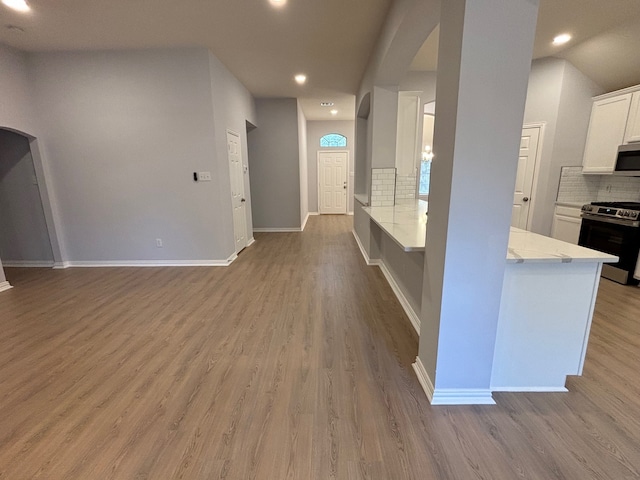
<point x="483" y="69"/>
<point x="4" y="285"/>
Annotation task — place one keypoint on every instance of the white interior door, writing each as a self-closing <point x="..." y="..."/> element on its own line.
<point x="332" y="182"/>
<point x="238" y="201"/>
<point x="524" y="178"/>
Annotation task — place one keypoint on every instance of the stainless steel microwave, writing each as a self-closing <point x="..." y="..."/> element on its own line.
<point x="628" y="160"/>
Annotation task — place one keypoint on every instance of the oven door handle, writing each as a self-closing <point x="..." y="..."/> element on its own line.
<point x="615" y="221"/>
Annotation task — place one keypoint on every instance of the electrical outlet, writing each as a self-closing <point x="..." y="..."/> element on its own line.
<point x="159" y="242"/>
<point x="204" y="176"/>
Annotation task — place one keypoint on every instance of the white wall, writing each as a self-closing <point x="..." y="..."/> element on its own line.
<point x="275" y="165"/>
<point x="316" y="130"/>
<point x="559" y="96"/>
<point x="124" y="131"/>
<point x="304" y="165"/>
<point x="23" y="228"/>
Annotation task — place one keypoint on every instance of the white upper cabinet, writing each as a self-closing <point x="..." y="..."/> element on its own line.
<point x="606" y="132"/>
<point x="632" y="133"/>
<point x="407" y="141"/>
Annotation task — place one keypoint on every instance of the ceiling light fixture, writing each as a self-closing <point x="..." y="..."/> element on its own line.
<point x="326" y="104"/>
<point x="561" y="39"/>
<point x="278" y="3"/>
<point x="17" y="5"/>
<point x="334" y="112"/>
<point x="300" y="78"/>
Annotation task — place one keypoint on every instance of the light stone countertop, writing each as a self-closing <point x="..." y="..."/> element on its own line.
<point x="530" y="247"/>
<point x="406" y="224"/>
<point x="571" y="204"/>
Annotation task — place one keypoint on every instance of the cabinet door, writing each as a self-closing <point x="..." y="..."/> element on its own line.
<point x="566" y="228"/>
<point x="632" y="133"/>
<point x="606" y="133"/>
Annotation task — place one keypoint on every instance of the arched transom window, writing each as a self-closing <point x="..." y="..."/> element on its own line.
<point x="333" y="140"/>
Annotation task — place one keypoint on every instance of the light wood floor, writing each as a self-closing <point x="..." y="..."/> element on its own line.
<point x="293" y="363"/>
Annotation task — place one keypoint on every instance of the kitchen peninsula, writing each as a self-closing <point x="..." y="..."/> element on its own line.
<point x="547" y="301"/>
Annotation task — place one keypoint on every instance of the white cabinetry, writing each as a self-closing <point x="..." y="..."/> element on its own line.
<point x="606" y="132"/>
<point x="566" y="224"/>
<point x="408" y="139"/>
<point x="632" y="133"/>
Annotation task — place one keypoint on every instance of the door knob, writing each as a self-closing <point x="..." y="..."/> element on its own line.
<point x="242" y="200"/>
<point x="525" y="199"/>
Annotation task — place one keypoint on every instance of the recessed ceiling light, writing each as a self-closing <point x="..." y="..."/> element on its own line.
<point x="18" y="5"/>
<point x="561" y="39"/>
<point x="326" y="104"/>
<point x="334" y="112"/>
<point x="278" y="3"/>
<point x="301" y="78"/>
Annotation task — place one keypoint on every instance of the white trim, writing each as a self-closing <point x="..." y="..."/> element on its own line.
<point x="28" y="263"/>
<point x="277" y="230"/>
<point x="304" y="223"/>
<point x="314" y="213"/>
<point x="4" y="286"/>
<point x="414" y="318"/>
<point x="529" y="389"/>
<point x="147" y="263"/>
<point x="367" y="260"/>
<point x="347" y="176"/>
<point x="61" y="265"/>
<point x="423" y="378"/>
<point x="450" y="396"/>
<point x="462" y="396"/>
<point x="251" y="241"/>
<point x="350" y="213"/>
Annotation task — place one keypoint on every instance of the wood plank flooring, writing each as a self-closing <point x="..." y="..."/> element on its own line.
<point x="293" y="363"/>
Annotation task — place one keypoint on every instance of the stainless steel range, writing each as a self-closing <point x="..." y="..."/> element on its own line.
<point x="613" y="227"/>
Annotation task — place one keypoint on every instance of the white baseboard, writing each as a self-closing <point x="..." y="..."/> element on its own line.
<point x="251" y="241"/>
<point x="350" y="213"/>
<point x="147" y="263"/>
<point x="423" y="378"/>
<point x="367" y="260"/>
<point x="462" y="396"/>
<point x="27" y="264"/>
<point x="277" y="230"/>
<point x="529" y="389"/>
<point x="61" y="265"/>
<point x="5" y="286"/>
<point x="450" y="396"/>
<point x="314" y="213"/>
<point x="414" y="318"/>
<point x="304" y="222"/>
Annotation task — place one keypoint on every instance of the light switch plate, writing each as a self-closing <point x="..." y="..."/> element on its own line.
<point x="204" y="176"/>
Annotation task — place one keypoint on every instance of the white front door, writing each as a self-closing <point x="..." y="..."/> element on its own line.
<point x="332" y="182"/>
<point x="524" y="178"/>
<point x="238" y="201"/>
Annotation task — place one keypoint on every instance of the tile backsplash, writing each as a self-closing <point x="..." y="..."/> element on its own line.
<point x="383" y="187"/>
<point x="579" y="188"/>
<point x="405" y="187"/>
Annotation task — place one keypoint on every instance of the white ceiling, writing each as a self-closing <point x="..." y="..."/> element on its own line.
<point x="605" y="44"/>
<point x="329" y="40"/>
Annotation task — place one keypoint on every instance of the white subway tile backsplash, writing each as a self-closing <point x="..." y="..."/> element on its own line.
<point x="383" y="186"/>
<point x="576" y="187"/>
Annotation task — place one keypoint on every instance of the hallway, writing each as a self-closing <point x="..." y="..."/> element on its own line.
<point x="292" y="363"/>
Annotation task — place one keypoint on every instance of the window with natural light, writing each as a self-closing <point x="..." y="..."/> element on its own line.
<point x="333" y="140"/>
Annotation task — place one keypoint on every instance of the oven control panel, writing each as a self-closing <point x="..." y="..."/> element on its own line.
<point x="611" y="212"/>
